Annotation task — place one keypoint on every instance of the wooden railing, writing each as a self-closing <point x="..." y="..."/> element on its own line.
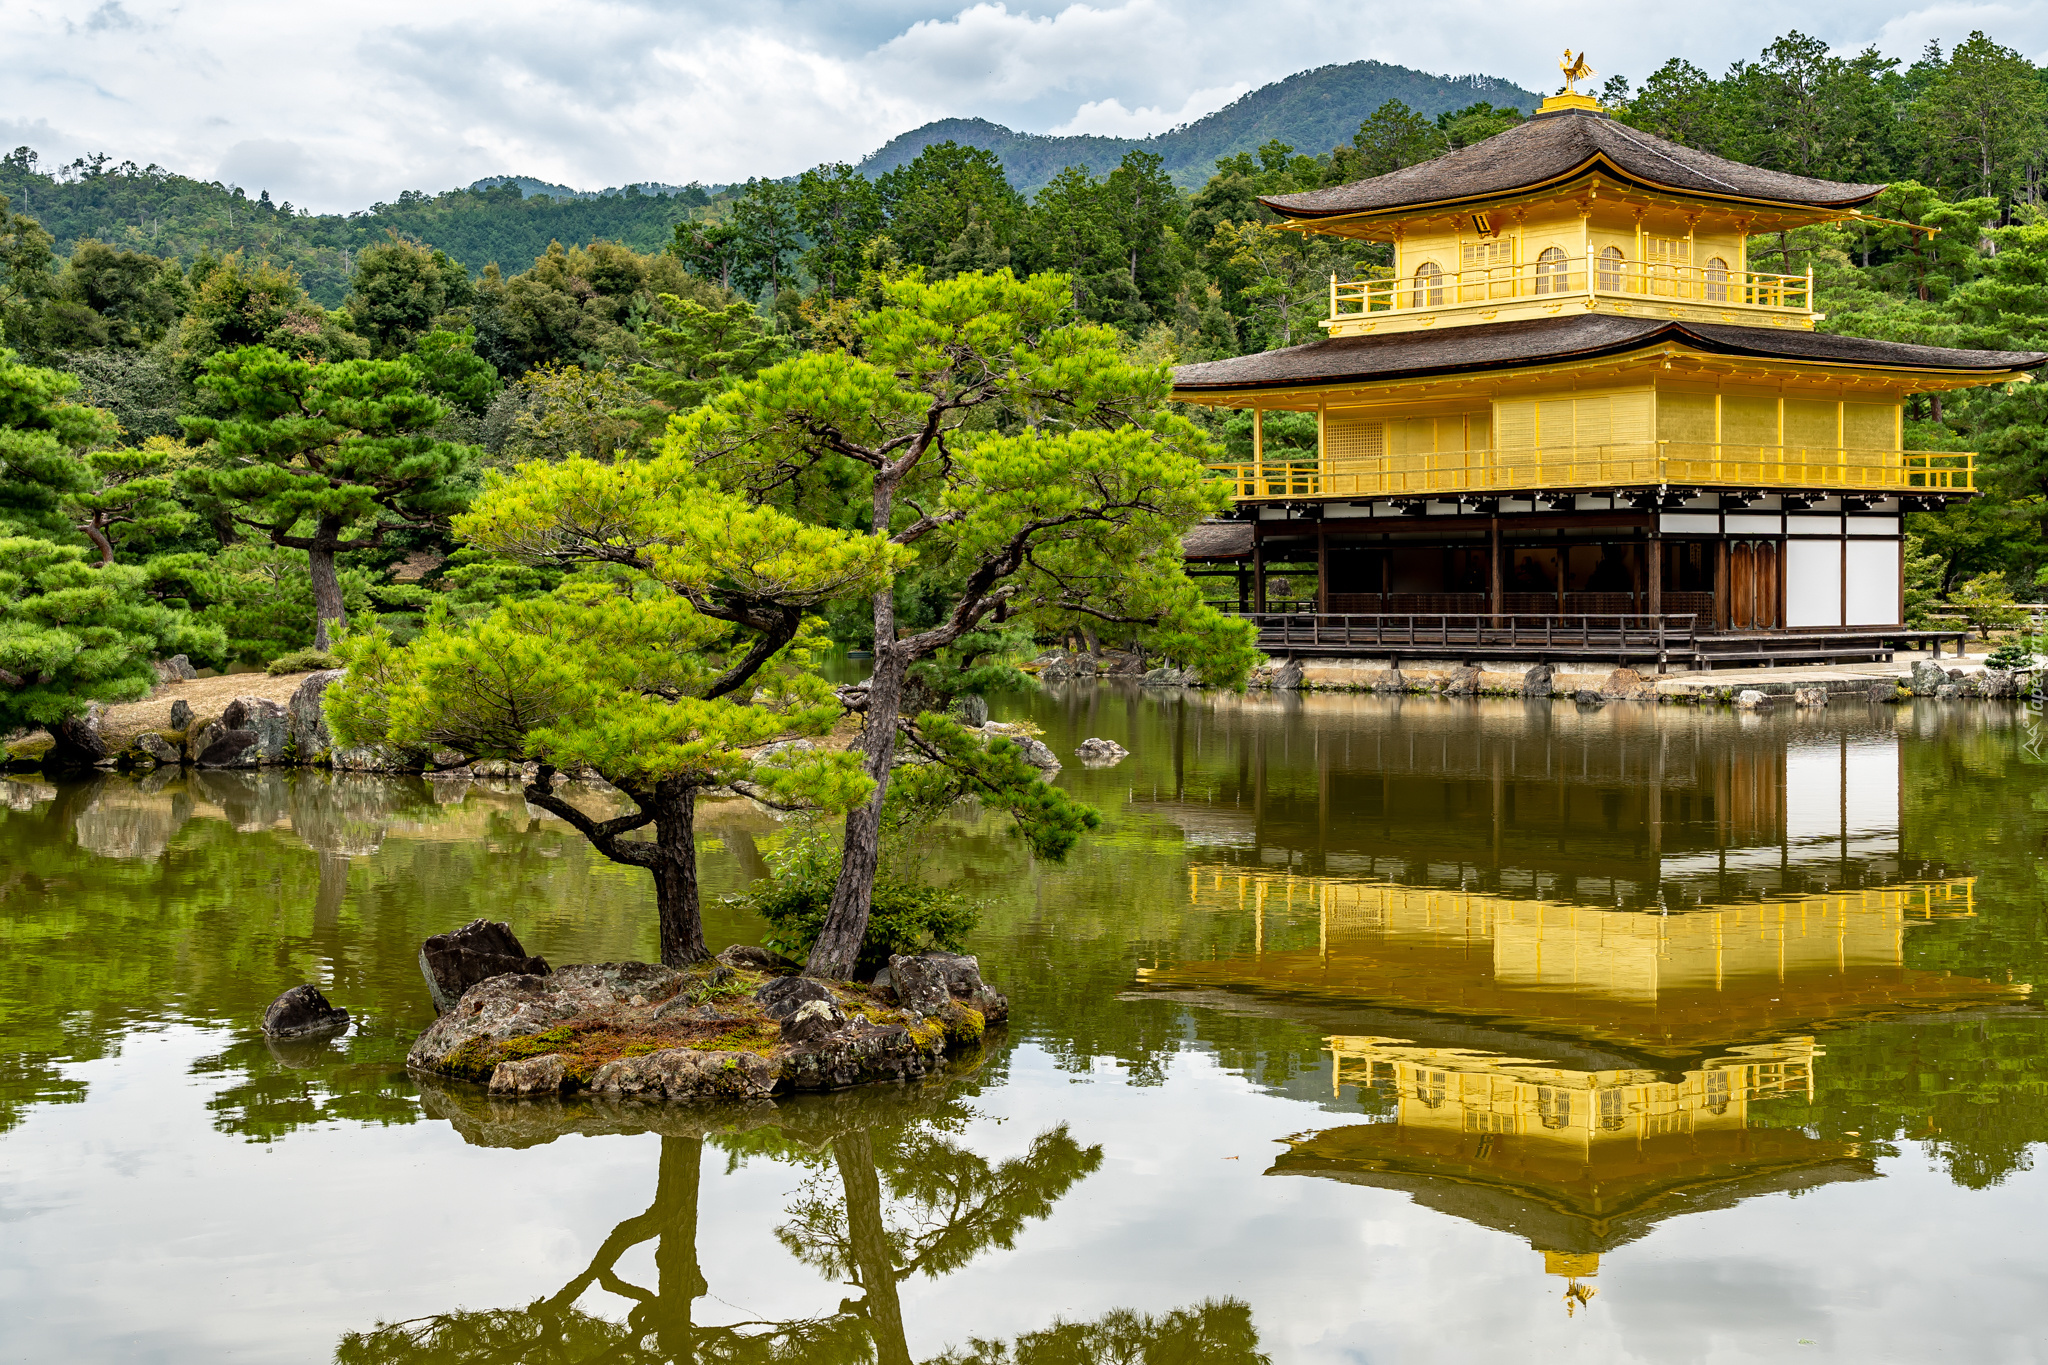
<point x="1704" y="285"/>
<point x="1642" y="464"/>
<point x="1619" y="635"/>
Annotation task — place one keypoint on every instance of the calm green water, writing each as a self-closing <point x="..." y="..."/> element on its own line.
<point x="1368" y="1029"/>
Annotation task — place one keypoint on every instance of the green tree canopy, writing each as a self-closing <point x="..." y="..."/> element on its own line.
<point x="679" y="645"/>
<point x="326" y="458"/>
<point x="987" y="432"/>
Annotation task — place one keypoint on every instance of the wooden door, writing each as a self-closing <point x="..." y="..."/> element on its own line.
<point x="1753" y="585"/>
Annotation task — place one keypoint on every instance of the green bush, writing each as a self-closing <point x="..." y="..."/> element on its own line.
<point x="301" y="661"/>
<point x="2013" y="653"/>
<point x="908" y="916"/>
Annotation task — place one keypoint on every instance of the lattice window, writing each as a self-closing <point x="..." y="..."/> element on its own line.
<point x="1429" y="285"/>
<point x="1610" y="269"/>
<point x="1717" y="280"/>
<point x="1666" y="251"/>
<point x="1553" y="271"/>
<point x="1351" y="440"/>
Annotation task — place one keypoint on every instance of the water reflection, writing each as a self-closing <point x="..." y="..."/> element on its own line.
<point x="1576" y="1161"/>
<point x="887" y="1190"/>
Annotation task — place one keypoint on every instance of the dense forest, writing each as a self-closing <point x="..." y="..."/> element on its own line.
<point x="122" y="288"/>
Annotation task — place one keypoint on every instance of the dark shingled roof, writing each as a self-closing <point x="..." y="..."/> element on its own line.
<point x="1547" y="341"/>
<point x="1553" y="147"/>
<point x="1218" y="540"/>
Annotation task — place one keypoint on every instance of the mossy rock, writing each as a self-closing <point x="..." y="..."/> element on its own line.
<point x="28" y="752"/>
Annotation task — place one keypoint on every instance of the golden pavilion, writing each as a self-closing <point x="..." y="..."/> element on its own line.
<point x="1573" y="422"/>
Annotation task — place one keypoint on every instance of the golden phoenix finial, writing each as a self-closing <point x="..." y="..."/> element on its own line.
<point x="1575" y="69"/>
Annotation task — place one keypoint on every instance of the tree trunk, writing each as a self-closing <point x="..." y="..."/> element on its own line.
<point x="328" y="610"/>
<point x="846" y="921"/>
<point x="679" y="1278"/>
<point x="868" y="1236"/>
<point x="675" y="877"/>
<point x="98" y="536"/>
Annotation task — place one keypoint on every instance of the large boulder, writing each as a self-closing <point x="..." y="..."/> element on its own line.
<point x="1390" y="681"/>
<point x="1884" y="693"/>
<point x="1463" y="682"/>
<point x="181" y="715"/>
<point x="157" y="749"/>
<point x="961" y="974"/>
<point x="1810" y="696"/>
<point x="78" y="741"/>
<point x="1998" y="684"/>
<point x="175" y="669"/>
<point x="478" y="951"/>
<point x="1925" y="677"/>
<point x="1625" y="684"/>
<point x="1287" y="677"/>
<point x="514" y="1005"/>
<point x="300" y="1011"/>
<point x="531" y="1076"/>
<point x="686" y="1074"/>
<point x="1101" y="753"/>
<point x="784" y="996"/>
<point x="306" y="717"/>
<point x="1749" y="699"/>
<point x="813" y="1021"/>
<point x="920" y="984"/>
<point x="970" y="710"/>
<point x="226" y="748"/>
<point x="1538" y="681"/>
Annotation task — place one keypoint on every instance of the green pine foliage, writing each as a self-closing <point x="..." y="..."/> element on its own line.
<point x="909" y="915"/>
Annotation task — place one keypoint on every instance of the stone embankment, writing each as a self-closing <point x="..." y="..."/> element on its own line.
<point x="741" y="1027"/>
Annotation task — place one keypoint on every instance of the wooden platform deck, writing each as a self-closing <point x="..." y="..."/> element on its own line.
<point x="1665" y="640"/>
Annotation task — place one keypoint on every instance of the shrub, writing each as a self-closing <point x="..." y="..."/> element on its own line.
<point x="2013" y="653"/>
<point x="909" y="916"/>
<point x="301" y="661"/>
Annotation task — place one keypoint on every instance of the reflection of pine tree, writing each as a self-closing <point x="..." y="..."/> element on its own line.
<point x="943" y="1206"/>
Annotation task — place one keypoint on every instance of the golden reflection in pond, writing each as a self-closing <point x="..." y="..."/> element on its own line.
<point x="1576" y="1162"/>
<point x="1667" y="982"/>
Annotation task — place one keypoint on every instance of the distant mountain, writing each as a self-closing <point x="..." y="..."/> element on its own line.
<point x="530" y="188"/>
<point x="1312" y="111"/>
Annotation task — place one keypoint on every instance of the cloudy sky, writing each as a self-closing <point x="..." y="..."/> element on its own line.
<point x="333" y="107"/>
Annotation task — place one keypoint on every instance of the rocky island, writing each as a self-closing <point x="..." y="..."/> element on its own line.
<point x="743" y="1026"/>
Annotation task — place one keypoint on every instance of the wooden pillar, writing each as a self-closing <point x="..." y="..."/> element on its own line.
<point x="1322" y="568"/>
<point x="1258" y="568"/>
<point x="1493" y="568"/>
<point x="1259" y="452"/>
<point x="1721" y="582"/>
<point x="1655" y="573"/>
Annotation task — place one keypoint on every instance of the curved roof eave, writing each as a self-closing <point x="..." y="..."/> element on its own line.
<point x="1599" y="161"/>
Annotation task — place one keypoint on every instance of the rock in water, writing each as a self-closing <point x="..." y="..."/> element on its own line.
<point x="159" y="748"/>
<point x="228" y="749"/>
<point x="1810" y="696"/>
<point x="306" y="717"/>
<point x="530" y="1076"/>
<point x="299" y="1011"/>
<point x="962" y="975"/>
<point x="747" y="957"/>
<point x="181" y="714"/>
<point x="1752" y="700"/>
<point x="920" y="984"/>
<point x="1463" y="682"/>
<point x="1927" y="675"/>
<point x="970" y="710"/>
<point x="1884" y="693"/>
<point x="1625" y="684"/>
<point x="781" y="998"/>
<point x="479" y="950"/>
<point x="1538" y="681"/>
<point x="1101" y="752"/>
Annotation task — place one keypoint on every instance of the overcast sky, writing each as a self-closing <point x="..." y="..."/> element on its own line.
<point x="333" y="107"/>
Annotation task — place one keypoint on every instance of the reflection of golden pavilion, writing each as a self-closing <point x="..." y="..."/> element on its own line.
<point x="1577" y="1162"/>
<point x="1670" y="984"/>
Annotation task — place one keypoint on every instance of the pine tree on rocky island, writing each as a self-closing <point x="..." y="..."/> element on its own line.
<point x="681" y="640"/>
<point x="1034" y="475"/>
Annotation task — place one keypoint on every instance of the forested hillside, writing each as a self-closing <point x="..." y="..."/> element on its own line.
<point x="603" y="317"/>
<point x="1318" y="108"/>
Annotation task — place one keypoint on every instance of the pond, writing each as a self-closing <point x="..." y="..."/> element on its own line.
<point x="1390" y="1029"/>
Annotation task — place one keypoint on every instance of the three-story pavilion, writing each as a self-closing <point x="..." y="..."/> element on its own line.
<point x="1574" y="419"/>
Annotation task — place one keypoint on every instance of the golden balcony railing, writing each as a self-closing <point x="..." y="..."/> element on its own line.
<point x="1642" y="464"/>
<point x="1428" y="288"/>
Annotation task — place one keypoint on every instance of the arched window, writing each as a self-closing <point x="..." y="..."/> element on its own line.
<point x="1610" y="269"/>
<point x="1717" y="280"/>
<point x="1553" y="273"/>
<point x="1429" y="285"/>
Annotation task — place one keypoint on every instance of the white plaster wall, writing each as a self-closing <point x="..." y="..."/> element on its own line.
<point x="1873" y="582"/>
<point x="1813" y="583"/>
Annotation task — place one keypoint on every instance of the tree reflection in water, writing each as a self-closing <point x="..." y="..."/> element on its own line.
<point x="881" y="1203"/>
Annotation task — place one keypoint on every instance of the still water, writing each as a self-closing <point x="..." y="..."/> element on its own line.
<point x="1368" y="1029"/>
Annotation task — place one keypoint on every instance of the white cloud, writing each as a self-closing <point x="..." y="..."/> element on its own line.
<point x="1109" y="118"/>
<point x="335" y="107"/>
